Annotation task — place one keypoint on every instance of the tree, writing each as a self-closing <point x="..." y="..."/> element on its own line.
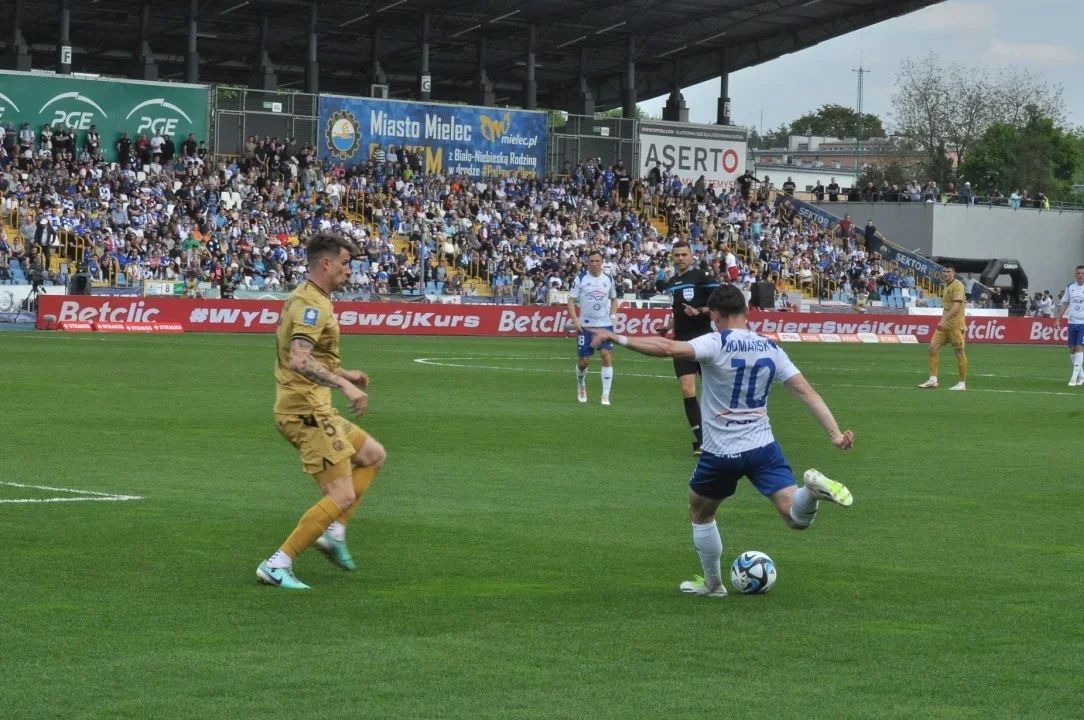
<point x="618" y="112"/>
<point x="772" y="139"/>
<point x="1038" y="157"/>
<point x="893" y="172"/>
<point x="839" y="122"/>
<point x="945" y="107"/>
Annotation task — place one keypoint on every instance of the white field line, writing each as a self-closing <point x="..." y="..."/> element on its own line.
<point x="83" y="495"/>
<point x="443" y="362"/>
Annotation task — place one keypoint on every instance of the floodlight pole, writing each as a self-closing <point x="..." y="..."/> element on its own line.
<point x="858" y="121"/>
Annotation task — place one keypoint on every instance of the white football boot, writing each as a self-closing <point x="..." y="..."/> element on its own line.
<point x="697" y="586"/>
<point x="827" y="489"/>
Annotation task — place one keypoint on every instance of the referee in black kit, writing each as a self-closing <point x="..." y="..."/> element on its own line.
<point x="689" y="290"/>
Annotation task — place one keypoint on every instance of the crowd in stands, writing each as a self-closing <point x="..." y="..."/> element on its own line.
<point x="914" y="191"/>
<point x="168" y="212"/>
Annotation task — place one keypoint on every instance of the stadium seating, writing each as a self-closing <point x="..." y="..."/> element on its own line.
<point x="473" y="231"/>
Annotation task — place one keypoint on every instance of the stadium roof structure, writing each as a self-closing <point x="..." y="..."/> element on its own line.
<point x="670" y="42"/>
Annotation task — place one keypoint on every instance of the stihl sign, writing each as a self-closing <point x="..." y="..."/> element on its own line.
<point x="262" y="316"/>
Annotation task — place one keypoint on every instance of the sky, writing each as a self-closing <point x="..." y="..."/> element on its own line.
<point x="1039" y="35"/>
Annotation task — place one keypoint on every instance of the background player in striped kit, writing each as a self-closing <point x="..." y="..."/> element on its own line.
<point x="596" y="293"/>
<point x="1073" y="301"/>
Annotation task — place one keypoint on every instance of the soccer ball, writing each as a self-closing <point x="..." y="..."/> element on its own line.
<point x="752" y="573"/>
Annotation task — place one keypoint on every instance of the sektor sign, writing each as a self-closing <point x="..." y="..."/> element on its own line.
<point x="113" y="106"/>
<point x="689" y="151"/>
<point x="460" y="139"/>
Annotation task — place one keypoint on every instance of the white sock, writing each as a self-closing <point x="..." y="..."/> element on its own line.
<point x="803" y="508"/>
<point x="607" y="379"/>
<point x="581" y="377"/>
<point x="709" y="546"/>
<point x="337" y="531"/>
<point x="279" y="560"/>
<point x="1078" y="362"/>
<point x="933" y="378"/>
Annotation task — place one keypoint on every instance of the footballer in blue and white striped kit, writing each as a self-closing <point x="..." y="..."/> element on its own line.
<point x="596" y="294"/>
<point x="738" y="369"/>
<point x="1073" y="302"/>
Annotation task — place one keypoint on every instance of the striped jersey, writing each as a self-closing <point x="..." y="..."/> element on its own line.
<point x="593" y="294"/>
<point x="738" y="369"/>
<point x="1074" y="298"/>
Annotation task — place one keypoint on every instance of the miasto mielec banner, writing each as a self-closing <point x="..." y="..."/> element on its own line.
<point x="112" y="105"/>
<point x="458" y="139"/>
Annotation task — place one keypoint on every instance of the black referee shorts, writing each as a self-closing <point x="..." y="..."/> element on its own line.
<point x="686" y="367"/>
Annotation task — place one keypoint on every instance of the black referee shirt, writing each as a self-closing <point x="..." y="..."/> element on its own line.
<point x="693" y="287"/>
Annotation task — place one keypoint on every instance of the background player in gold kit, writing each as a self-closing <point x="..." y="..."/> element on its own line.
<point x="341" y="457"/>
<point x="951" y="330"/>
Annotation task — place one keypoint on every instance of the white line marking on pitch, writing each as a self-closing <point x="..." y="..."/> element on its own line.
<point x="84" y="495"/>
<point x="439" y="362"/>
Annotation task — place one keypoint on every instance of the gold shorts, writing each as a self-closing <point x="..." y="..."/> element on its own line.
<point x="326" y="442"/>
<point x="949" y="336"/>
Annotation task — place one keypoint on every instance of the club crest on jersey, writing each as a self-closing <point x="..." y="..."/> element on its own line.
<point x="310" y="317"/>
<point x="688" y="294"/>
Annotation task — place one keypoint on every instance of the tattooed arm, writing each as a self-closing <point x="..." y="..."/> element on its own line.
<point x="304" y="364"/>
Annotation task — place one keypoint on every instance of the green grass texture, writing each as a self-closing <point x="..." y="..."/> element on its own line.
<point x="520" y="554"/>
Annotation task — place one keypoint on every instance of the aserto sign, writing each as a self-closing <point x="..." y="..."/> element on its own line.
<point x="113" y="106"/>
<point x="689" y="151"/>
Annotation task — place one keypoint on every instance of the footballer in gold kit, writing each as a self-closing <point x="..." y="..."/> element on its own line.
<point x="340" y="456"/>
<point x="951" y="330"/>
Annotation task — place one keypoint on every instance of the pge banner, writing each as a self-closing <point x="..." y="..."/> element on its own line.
<point x="154" y="314"/>
<point x="113" y="106"/>
<point x="689" y="151"/>
<point x="457" y="139"/>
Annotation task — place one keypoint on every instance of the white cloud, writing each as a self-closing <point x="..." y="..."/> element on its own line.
<point x="954" y="17"/>
<point x="1042" y="54"/>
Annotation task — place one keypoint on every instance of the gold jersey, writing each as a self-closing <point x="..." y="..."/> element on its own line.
<point x="954" y="293"/>
<point x="307" y="314"/>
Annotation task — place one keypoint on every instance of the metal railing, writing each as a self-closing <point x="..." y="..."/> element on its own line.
<point x="943" y="198"/>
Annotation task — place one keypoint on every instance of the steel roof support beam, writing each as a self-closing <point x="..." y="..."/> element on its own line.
<point x="191" y="55"/>
<point x="312" y="63"/>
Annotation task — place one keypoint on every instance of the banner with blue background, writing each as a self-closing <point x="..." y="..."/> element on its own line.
<point x="457" y="139"/>
<point x="809" y="212"/>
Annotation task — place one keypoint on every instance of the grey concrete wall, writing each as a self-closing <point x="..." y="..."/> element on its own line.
<point x="909" y="225"/>
<point x="1048" y="243"/>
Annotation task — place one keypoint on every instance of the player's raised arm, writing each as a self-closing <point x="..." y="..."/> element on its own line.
<point x="844" y="440"/>
<point x="653" y="346"/>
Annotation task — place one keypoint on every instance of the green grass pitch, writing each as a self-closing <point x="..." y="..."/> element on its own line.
<point x="520" y="554"/>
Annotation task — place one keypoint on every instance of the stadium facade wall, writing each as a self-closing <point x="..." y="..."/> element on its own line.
<point x="909" y="226"/>
<point x="1049" y="243"/>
